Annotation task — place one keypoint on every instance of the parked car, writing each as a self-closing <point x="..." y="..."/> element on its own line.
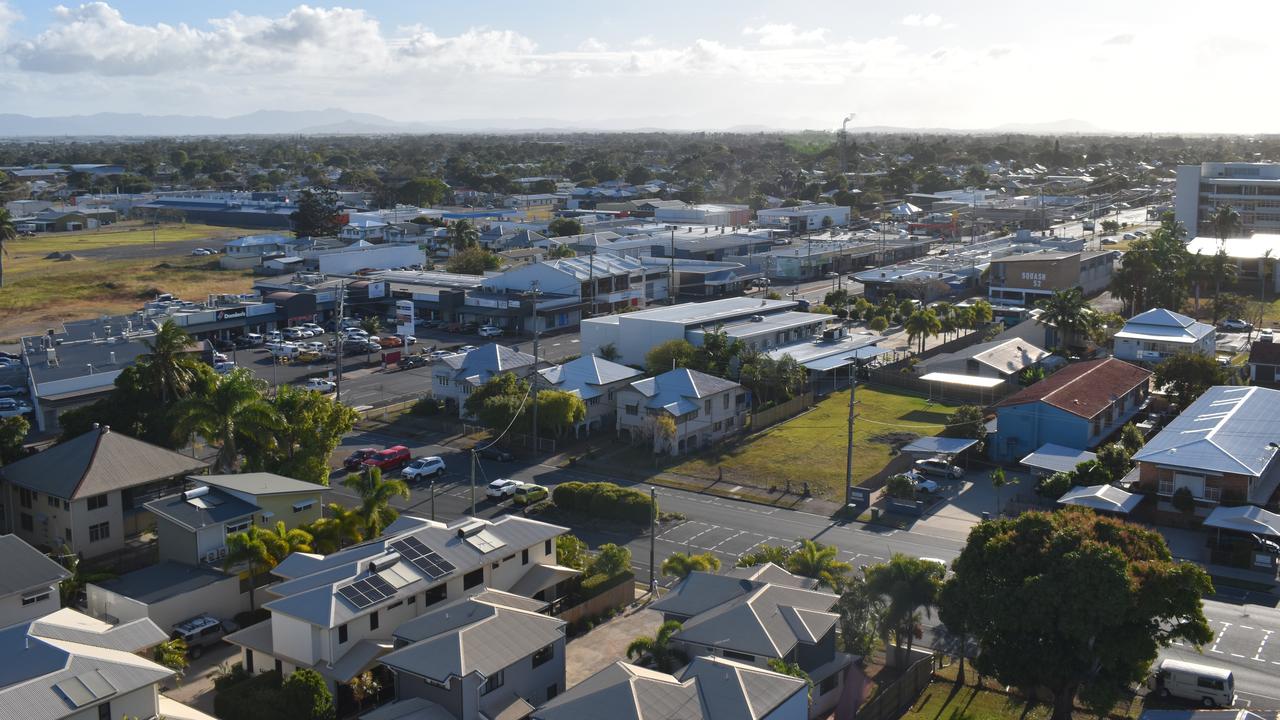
<point x="410" y="340"/>
<point x="424" y="467"/>
<point x="243" y="342"/>
<point x="314" y="346"/>
<point x="1208" y="685"/>
<point x="529" y="493"/>
<point x="1108" y="241"/>
<point x="409" y="362"/>
<point x="393" y="458"/>
<point x="9" y="362"/>
<point x="11" y="390"/>
<point x="9" y="355"/>
<point x="223" y="345"/>
<point x="939" y="466"/>
<point x="1236" y="325"/>
<point x="314" y="328"/>
<point x="284" y="351"/>
<point x="922" y="483"/>
<point x="1129" y="236"/>
<point x="356" y="459"/>
<point x="222" y="368"/>
<point x="467" y="348"/>
<point x="435" y="355"/>
<point x="199" y="632"/>
<point x="1266" y="335"/>
<point x="321" y="385"/>
<point x="497" y="453"/>
<point x="501" y="489"/>
<point x="275" y="336"/>
<point x="294" y="333"/>
<point x="372" y="346"/>
<point x="390" y="341"/>
<point x="219" y="358"/>
<point x="490" y="331"/>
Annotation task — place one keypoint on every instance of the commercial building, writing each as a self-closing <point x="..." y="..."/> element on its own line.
<point x="804" y="218"/>
<point x="704" y="409"/>
<point x="801" y="261"/>
<point x="601" y="283"/>
<point x="1078" y="407"/>
<point x="1221" y="448"/>
<point x="89" y="493"/>
<point x="1253" y="189"/>
<point x="704" y="214"/>
<point x="1158" y="334"/>
<point x="224" y="209"/>
<point x="699" y="280"/>
<point x="1253" y="255"/>
<point x="760" y="324"/>
<point x="1026" y="278"/>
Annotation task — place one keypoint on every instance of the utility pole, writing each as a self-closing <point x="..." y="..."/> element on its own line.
<point x="671" y="274"/>
<point x="433" y="498"/>
<point x="653" y="530"/>
<point x="534" y="377"/>
<point x="337" y="341"/>
<point x="473" y="486"/>
<point x="848" y="454"/>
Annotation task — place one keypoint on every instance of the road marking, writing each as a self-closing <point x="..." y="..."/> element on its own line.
<point x="731" y="537"/>
<point x="1237" y="655"/>
<point x="1218" y="639"/>
<point x="1245" y="627"/>
<point x="704" y="532"/>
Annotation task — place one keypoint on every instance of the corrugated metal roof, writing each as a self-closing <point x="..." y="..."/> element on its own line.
<point x="26" y="568"/>
<point x="1083" y="389"/>
<point x="1106" y="498"/>
<point x="70" y="625"/>
<point x="1227" y="429"/>
<point x="674" y="386"/>
<point x="259" y="483"/>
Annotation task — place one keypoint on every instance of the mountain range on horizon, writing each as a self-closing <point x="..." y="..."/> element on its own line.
<point x="345" y="122"/>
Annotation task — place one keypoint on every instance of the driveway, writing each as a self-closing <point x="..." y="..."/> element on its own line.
<point x="964" y="501"/>
<point x="590" y="653"/>
<point x="196" y="686"/>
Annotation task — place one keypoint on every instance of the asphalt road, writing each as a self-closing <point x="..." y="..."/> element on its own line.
<point x="1246" y="640"/>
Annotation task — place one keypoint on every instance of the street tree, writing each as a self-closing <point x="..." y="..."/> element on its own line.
<point x="909" y="586"/>
<point x="1186" y="376"/>
<point x="1095" y="598"/>
<point x="233" y="414"/>
<point x="998" y="482"/>
<point x="317" y="213"/>
<point x="681" y="564"/>
<point x="610" y="560"/>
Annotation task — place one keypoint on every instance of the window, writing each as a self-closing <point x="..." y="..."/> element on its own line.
<point x="543" y="655"/>
<point x="508" y="558"/>
<point x="67" y="532"/>
<point x="304" y="505"/>
<point x="717" y="426"/>
<point x="239" y="526"/>
<point x="280" y="667"/>
<point x="104" y="711"/>
<point x="744" y="657"/>
<point x="101" y="531"/>
<point x="726" y="401"/>
<point x="395" y="604"/>
<point x="633" y="409"/>
<point x="1211" y="683"/>
<point x="494" y="682"/>
<point x="24" y="520"/>
<point x="442" y="380"/>
<point x="706" y="407"/>
<point x="248" y="661"/>
<point x="827" y="685"/>
<point x="524" y="556"/>
<point x="546" y="548"/>
<point x="412" y="600"/>
<point x="435" y="595"/>
<point x="96" y="502"/>
<point x="473" y="578"/>
<point x="342" y="633"/>
<point x="552" y="691"/>
<point x="373" y="621"/>
<point x="33" y="599"/>
<point x="26" y="498"/>
<point x="53" y="502"/>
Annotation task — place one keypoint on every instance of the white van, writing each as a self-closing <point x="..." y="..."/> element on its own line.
<point x="1205" y="684"/>
<point x="284" y="350"/>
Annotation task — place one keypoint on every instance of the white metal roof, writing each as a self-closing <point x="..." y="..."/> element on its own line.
<point x="1245" y="518"/>
<point x="1106" y="498"/>
<point x="962" y="380"/>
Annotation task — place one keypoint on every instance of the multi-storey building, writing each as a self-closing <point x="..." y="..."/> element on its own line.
<point x="1253" y="189"/>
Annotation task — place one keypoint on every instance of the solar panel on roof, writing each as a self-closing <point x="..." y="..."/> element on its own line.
<point x="426" y="560"/>
<point x="363" y="593"/>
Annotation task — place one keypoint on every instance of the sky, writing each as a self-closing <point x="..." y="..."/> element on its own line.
<point x="1133" y="66"/>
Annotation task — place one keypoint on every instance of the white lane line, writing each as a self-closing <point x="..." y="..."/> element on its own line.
<point x="731" y="537"/>
<point x="1245" y="627"/>
<point x="704" y="532"/>
<point x="1237" y="655"/>
<point x="1218" y="639"/>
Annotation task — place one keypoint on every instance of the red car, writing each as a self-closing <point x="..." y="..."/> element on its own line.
<point x="355" y="460"/>
<point x="393" y="458"/>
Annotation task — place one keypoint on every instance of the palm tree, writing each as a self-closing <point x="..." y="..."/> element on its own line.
<point x="657" y="650"/>
<point x="375" y="511"/>
<point x="909" y="585"/>
<point x="983" y="312"/>
<point x="465" y="235"/>
<point x="1225" y="221"/>
<point x="8" y="231"/>
<point x="342" y="527"/>
<point x="1222" y="269"/>
<point x="249" y="548"/>
<point x="285" y="542"/>
<point x="1068" y="312"/>
<point x="172" y="654"/>
<point x="69" y="589"/>
<point x="235" y="410"/>
<point x="168" y="362"/>
<point x="920" y="325"/>
<point x="776" y="554"/>
<point x="681" y="564"/>
<point x="1199" y="270"/>
<point x="818" y="561"/>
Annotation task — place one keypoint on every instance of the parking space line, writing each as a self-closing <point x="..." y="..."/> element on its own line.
<point x="731" y="537"/>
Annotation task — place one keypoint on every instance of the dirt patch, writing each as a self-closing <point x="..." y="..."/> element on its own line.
<point x="67" y="257"/>
<point x="55" y="255"/>
<point x="895" y="440"/>
<point x="600" y="647"/>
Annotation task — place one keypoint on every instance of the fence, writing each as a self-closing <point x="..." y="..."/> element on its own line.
<point x="894" y="698"/>
<point x="781" y="411"/>
<point x="619" y="595"/>
<point x="384" y="411"/>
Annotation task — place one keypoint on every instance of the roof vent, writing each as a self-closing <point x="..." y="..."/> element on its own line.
<point x="471" y="528"/>
<point x="196" y="492"/>
<point x="382" y="563"/>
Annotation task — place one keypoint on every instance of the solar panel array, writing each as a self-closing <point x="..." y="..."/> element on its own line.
<point x="368" y="591"/>
<point x="427" y="561"/>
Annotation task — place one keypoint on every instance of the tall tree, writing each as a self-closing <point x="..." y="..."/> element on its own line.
<point x="232" y="414"/>
<point x="473" y="260"/>
<point x="1225" y="221"/>
<point x="422" y="191"/>
<point x="169" y="363"/>
<point x="1187" y="375"/>
<point x="249" y="548"/>
<point x="861" y="615"/>
<point x="669" y="355"/>
<point x="909" y="586"/>
<point x="376" y="493"/>
<point x="1067" y="311"/>
<point x="301" y="447"/>
<point x="8" y="232"/>
<point x="1095" y="597"/>
<point x="564" y="227"/>
<point x="464" y="235"/>
<point x="340" y="527"/>
<point x="317" y="213"/>
<point x="1222" y="269"/>
<point x="920" y="325"/>
<point x="820" y="562"/>
<point x="658" y="650"/>
<point x="681" y="564"/>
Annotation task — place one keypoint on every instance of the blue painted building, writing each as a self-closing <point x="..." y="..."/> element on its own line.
<point x="1077" y="407"/>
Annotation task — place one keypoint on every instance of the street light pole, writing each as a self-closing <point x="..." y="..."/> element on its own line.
<point x="848" y="454"/>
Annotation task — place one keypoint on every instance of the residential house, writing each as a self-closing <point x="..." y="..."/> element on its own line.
<point x="704" y="408"/>
<point x="1158" y="334"/>
<point x="596" y="381"/>
<point x="487" y="656"/>
<point x="754" y="615"/>
<point x="1264" y="364"/>
<point x="455" y="377"/>
<point x="167" y="593"/>
<point x="337" y="614"/>
<point x="259" y="246"/>
<point x="89" y="493"/>
<point x="67" y="665"/>
<point x="1077" y="407"/>
<point x="1222" y="448"/>
<point x="192" y="526"/>
<point x="999" y="359"/>
<point x="709" y="688"/>
<point x="29" y="583"/>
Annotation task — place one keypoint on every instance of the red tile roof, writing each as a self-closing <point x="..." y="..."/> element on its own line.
<point x="1265" y="353"/>
<point x="1084" y="389"/>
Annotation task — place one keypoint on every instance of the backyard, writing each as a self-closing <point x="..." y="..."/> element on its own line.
<point x="113" y="270"/>
<point x="811" y="447"/>
<point x="944" y="700"/>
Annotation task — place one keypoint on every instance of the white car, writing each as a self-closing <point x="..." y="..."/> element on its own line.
<point x="501" y="489"/>
<point x="220" y="357"/>
<point x="321" y="385"/>
<point x="923" y="484"/>
<point x="11" y="408"/>
<point x="435" y="355"/>
<point x="424" y="467"/>
<point x="313" y="346"/>
<point x="939" y="466"/>
<point x="1266" y="335"/>
<point x="489" y="331"/>
<point x="314" y="328"/>
<point x="275" y="336"/>
<point x="465" y="349"/>
<point x="222" y="368"/>
<point x="295" y="333"/>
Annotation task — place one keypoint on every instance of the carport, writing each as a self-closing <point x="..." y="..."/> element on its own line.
<point x="1260" y="526"/>
<point x="941" y="381"/>
<point x="948" y="447"/>
<point x="1103" y="498"/>
<point x="1051" y="458"/>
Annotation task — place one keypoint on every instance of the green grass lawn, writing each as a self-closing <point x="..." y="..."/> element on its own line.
<point x="811" y="448"/>
<point x="944" y="700"/>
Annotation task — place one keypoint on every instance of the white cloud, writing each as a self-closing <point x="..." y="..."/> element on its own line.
<point x="8" y="16"/>
<point x="786" y="35"/>
<point x="592" y="45"/>
<point x="644" y="41"/>
<point x="919" y="20"/>
<point x="1121" y="39"/>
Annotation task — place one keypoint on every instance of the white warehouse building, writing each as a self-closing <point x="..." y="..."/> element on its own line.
<point x="804" y="217"/>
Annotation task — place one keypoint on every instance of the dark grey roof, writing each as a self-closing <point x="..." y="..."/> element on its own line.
<point x="213" y="508"/>
<point x="162" y="581"/>
<point x="97" y="462"/>
<point x="26" y="568"/>
<point x="1227" y="429"/>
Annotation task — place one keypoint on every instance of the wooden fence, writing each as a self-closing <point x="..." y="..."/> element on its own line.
<point x="891" y="700"/>
<point x="620" y="595"/>
<point x="781" y="411"/>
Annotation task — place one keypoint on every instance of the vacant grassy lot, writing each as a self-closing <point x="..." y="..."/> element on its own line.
<point x="113" y="272"/>
<point x="811" y="448"/>
<point x="944" y="700"/>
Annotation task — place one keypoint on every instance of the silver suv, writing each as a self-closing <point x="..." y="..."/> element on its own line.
<point x="200" y="632"/>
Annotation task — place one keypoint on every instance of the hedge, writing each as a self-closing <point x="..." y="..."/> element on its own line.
<point x="600" y="583"/>
<point x="604" y="500"/>
<point x="257" y="698"/>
